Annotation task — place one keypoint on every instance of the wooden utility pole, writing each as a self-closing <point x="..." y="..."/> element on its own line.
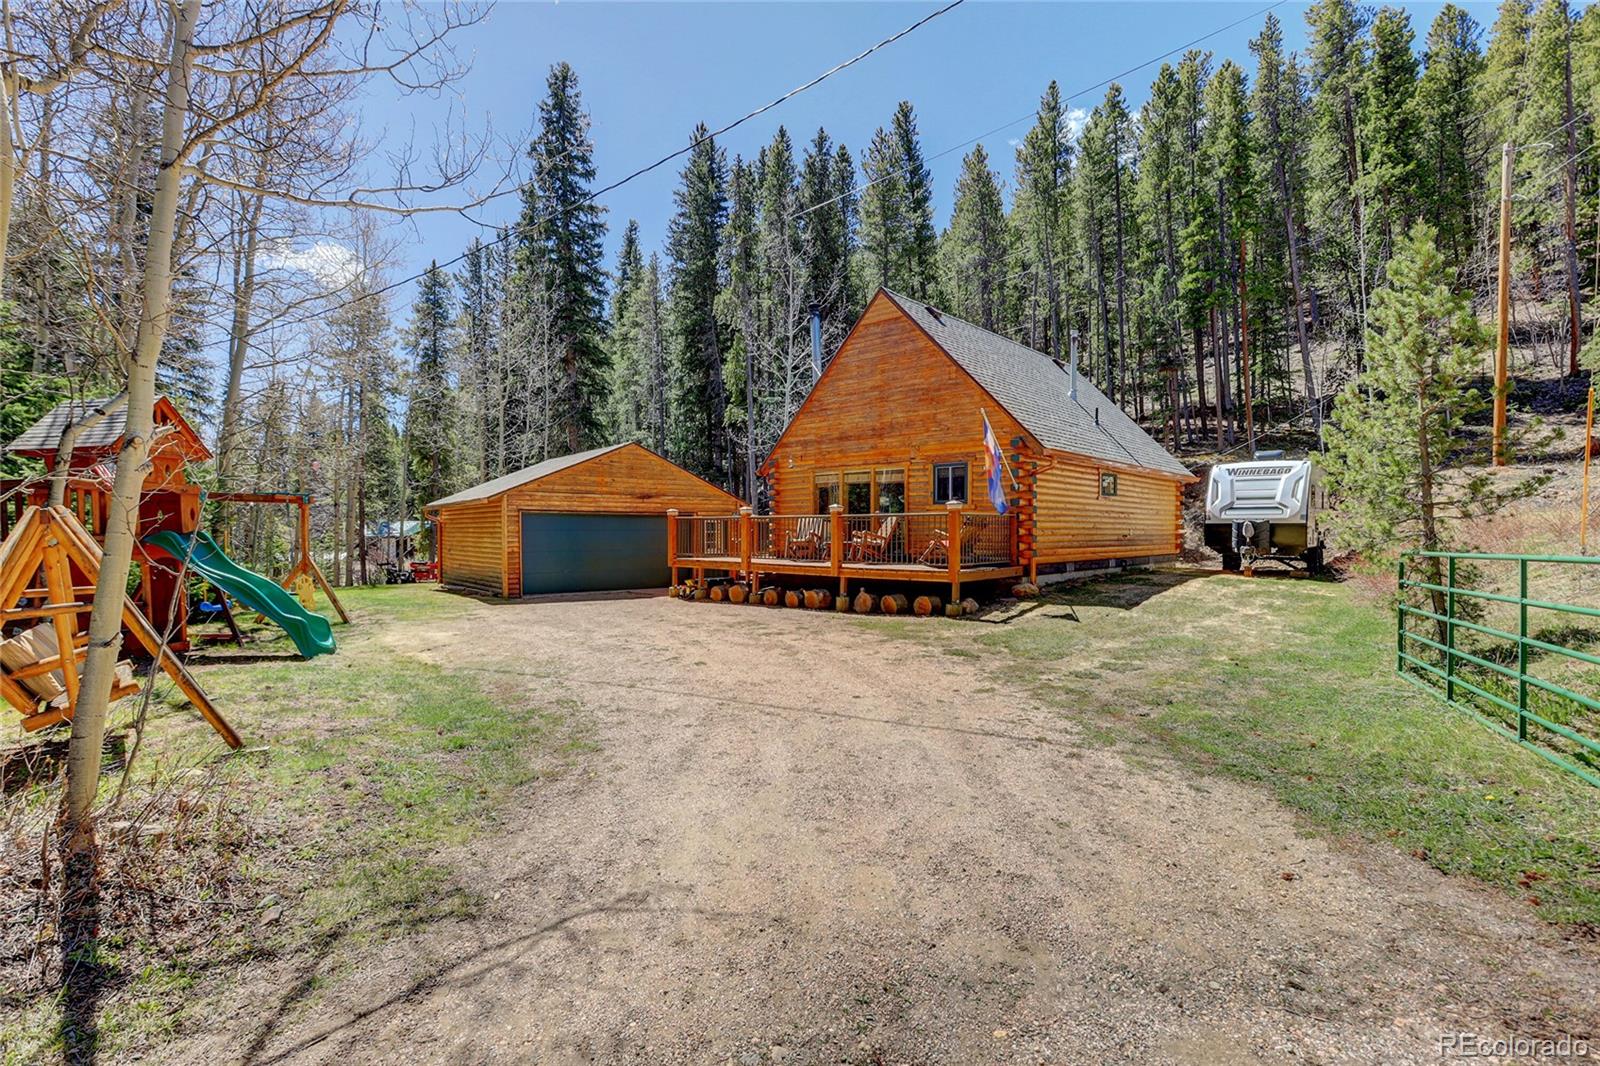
<point x="1588" y="454"/>
<point x="1503" y="341"/>
<point x="1575" y="322"/>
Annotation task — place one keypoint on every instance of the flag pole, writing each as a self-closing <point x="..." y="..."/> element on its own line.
<point x="1004" y="465"/>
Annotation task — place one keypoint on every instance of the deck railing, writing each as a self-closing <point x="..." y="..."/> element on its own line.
<point x="708" y="536"/>
<point x="914" y="539"/>
<point x="1492" y="679"/>
<point x="797" y="538"/>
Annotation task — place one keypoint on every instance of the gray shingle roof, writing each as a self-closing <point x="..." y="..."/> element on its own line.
<point x="45" y="434"/>
<point x="504" y="482"/>
<point x="1037" y="391"/>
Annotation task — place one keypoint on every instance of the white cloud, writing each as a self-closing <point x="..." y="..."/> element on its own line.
<point x="329" y="263"/>
<point x="1076" y="118"/>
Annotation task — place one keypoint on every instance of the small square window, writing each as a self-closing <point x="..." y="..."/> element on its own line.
<point x="949" y="482"/>
<point x="1108" y="484"/>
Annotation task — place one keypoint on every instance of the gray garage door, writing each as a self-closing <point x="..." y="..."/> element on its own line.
<point x="586" y="553"/>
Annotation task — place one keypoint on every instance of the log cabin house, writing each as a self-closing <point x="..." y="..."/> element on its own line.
<point x="881" y="471"/>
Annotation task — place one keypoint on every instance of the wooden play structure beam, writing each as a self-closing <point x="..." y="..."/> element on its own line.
<point x="303" y="564"/>
<point x="48" y="568"/>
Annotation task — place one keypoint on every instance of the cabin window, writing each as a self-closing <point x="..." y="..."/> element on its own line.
<point x="827" y="492"/>
<point x="858" y="492"/>
<point x="891" y="491"/>
<point x="949" y="482"/>
<point x="1108" y="484"/>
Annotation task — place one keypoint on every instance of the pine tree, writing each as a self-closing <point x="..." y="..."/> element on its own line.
<point x="477" y="357"/>
<point x="1397" y="430"/>
<point x="627" y="394"/>
<point x="921" y="250"/>
<point x="1449" y="151"/>
<point x="430" y="412"/>
<point x="743" y="307"/>
<point x="1547" y="137"/>
<point x="1389" y="131"/>
<point x="883" y="215"/>
<point x="1280" y="109"/>
<point x="699" y="433"/>
<point x="561" y="231"/>
<point x="827" y="234"/>
<point x="1043" y="221"/>
<point x="1337" y="206"/>
<point x="1500" y="92"/>
<point x="975" y="247"/>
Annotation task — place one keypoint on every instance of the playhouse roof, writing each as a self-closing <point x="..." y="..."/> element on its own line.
<point x="40" y="439"/>
<point x="1037" y="391"/>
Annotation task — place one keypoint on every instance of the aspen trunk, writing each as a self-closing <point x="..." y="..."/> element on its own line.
<point x="105" y="622"/>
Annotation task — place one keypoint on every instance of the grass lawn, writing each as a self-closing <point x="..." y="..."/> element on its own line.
<point x="1291" y="684"/>
<point x="318" y="839"/>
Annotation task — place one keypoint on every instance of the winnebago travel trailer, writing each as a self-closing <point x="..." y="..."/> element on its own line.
<point x="1265" y="509"/>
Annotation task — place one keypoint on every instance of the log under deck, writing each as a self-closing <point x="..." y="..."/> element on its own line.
<point x="863" y="571"/>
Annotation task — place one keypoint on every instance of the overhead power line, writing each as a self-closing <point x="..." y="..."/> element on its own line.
<point x="647" y="168"/>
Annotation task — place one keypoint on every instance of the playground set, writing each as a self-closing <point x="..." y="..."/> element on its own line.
<point x="50" y="563"/>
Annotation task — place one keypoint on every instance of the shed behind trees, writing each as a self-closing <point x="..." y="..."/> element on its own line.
<point x="590" y="521"/>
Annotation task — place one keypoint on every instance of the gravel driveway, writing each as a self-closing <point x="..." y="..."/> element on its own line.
<point x="803" y="841"/>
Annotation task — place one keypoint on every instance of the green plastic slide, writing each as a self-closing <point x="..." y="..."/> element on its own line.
<point x="311" y="633"/>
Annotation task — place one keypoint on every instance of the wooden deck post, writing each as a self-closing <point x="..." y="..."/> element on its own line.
<point x="953" y="551"/>
<point x="836" y="538"/>
<point x="746" y="530"/>
<point x="672" y="542"/>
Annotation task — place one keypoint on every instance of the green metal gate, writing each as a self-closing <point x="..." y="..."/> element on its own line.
<point x="1486" y="670"/>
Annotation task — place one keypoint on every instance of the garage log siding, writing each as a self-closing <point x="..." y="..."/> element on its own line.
<point x="480" y="542"/>
<point x="472" y="546"/>
<point x="628" y="481"/>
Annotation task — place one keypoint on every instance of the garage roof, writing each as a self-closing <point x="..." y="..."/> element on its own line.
<point x="507" y="482"/>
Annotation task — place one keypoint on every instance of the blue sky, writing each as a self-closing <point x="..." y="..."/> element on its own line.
<point x="650" y="71"/>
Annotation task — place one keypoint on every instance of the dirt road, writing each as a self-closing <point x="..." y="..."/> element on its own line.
<point x="801" y="841"/>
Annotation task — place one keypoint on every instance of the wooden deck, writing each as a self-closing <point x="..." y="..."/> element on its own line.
<point x="841" y="548"/>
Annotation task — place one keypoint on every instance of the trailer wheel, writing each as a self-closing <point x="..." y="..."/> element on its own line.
<point x="1315" y="563"/>
<point x="1230" y="560"/>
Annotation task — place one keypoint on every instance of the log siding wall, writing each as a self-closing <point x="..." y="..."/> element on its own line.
<point x="1076" y="523"/>
<point x="472" y="547"/>
<point x="482" y="541"/>
<point x="889" y="400"/>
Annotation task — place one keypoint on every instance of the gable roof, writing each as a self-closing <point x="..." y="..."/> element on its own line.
<point x="44" y="436"/>
<point x="1037" y="391"/>
<point x="506" y="482"/>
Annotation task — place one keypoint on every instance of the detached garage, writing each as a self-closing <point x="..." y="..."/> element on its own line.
<point x="587" y="522"/>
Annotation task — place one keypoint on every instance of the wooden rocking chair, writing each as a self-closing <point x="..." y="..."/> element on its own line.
<point x="937" y="551"/>
<point x="807" y="540"/>
<point x="867" y="546"/>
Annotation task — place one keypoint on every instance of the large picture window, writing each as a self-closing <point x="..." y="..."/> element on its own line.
<point x="826" y="492"/>
<point x="858" y="492"/>
<point x="949" y="482"/>
<point x="891" y="491"/>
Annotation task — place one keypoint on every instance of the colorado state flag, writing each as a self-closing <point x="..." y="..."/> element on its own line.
<point x="994" y="465"/>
